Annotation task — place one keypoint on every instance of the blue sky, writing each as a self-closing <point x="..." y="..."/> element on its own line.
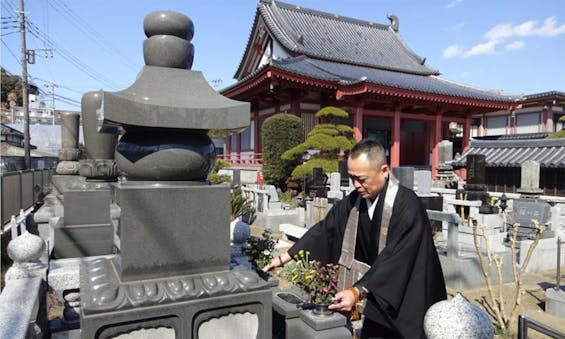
<point x="515" y="46"/>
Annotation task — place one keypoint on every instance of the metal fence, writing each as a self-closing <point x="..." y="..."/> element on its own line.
<point x="21" y="189"/>
<point x="525" y="323"/>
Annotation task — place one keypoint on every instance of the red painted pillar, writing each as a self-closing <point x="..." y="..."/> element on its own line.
<point x="256" y="133"/>
<point x="437" y="140"/>
<point x="395" y="147"/>
<point x="227" y="151"/>
<point x="466" y="133"/>
<point x="358" y="123"/>
<point x="465" y="141"/>
<point x="238" y="155"/>
<point x="295" y="108"/>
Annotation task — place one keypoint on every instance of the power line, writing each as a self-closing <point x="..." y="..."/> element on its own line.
<point x="36" y="32"/>
<point x="89" y="31"/>
<point x="9" y="50"/>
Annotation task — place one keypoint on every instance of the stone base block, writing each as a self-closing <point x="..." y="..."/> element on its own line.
<point x="465" y="272"/>
<point x="228" y="304"/>
<point x="82" y="240"/>
<point x="544" y="256"/>
<point x="172" y="228"/>
<point x="87" y="206"/>
<point x="555" y="302"/>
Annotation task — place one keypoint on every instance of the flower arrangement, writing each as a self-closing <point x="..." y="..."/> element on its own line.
<point x="260" y="250"/>
<point x="319" y="281"/>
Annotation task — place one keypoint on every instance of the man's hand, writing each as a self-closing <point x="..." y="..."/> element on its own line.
<point x="343" y="301"/>
<point x="277" y="262"/>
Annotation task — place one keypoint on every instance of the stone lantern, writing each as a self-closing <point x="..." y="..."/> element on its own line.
<point x="171" y="273"/>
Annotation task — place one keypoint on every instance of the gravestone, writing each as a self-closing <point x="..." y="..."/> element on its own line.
<point x="526" y="210"/>
<point x="344" y="175"/>
<point x="172" y="271"/>
<point x="424" y="180"/>
<point x="476" y="188"/>
<point x="529" y="207"/>
<point x="335" y="192"/>
<point x="529" y="183"/>
<point x="405" y="176"/>
<point x="445" y="152"/>
<point x="431" y="201"/>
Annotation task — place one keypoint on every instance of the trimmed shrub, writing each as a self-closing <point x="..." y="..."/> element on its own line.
<point x="280" y="133"/>
<point x="330" y="139"/>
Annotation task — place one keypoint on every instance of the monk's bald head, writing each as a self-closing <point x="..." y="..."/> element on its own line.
<point x="372" y="149"/>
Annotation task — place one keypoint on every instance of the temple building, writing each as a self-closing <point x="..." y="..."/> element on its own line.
<point x="298" y="60"/>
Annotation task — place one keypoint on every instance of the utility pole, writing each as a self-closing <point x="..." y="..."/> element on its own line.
<point x="52" y="87"/>
<point x="27" y="155"/>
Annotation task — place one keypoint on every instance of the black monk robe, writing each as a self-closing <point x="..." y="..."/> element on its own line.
<point x="405" y="279"/>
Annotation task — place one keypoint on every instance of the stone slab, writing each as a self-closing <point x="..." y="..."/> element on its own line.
<point x="87" y="207"/>
<point x="324" y="322"/>
<point x="297" y="328"/>
<point x="544" y="256"/>
<point x="19" y="304"/>
<point x="272" y="219"/>
<point x="464" y="272"/>
<point x="82" y="240"/>
<point x="293" y="230"/>
<point x="172" y="229"/>
<point x="286" y="309"/>
<point x="555" y="302"/>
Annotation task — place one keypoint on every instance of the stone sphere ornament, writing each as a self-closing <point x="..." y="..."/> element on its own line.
<point x="457" y="318"/>
<point x="26" y="248"/>
<point x="241" y="232"/>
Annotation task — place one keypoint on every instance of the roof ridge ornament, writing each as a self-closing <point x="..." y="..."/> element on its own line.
<point x="393" y="22"/>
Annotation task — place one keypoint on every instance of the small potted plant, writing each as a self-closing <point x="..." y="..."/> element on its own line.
<point x="317" y="280"/>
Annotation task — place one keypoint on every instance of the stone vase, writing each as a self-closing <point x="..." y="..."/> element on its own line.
<point x="322" y="310"/>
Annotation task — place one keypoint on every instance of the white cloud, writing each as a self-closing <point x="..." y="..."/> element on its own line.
<point x="453" y="4"/>
<point x="480" y="49"/>
<point x="515" y="45"/>
<point x="499" y="33"/>
<point x="453" y="51"/>
<point x="527" y="28"/>
<point x="549" y="29"/>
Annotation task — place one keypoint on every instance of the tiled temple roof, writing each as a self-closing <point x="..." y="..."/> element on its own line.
<point x="346" y="74"/>
<point x="348" y="51"/>
<point x="341" y="39"/>
<point x="550" y="153"/>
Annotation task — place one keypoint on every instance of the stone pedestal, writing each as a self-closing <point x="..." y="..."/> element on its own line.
<point x="464" y="272"/>
<point x="177" y="237"/>
<point x="190" y="306"/>
<point x="292" y="322"/>
<point x="86" y="228"/>
<point x="171" y="277"/>
<point x="555" y="302"/>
